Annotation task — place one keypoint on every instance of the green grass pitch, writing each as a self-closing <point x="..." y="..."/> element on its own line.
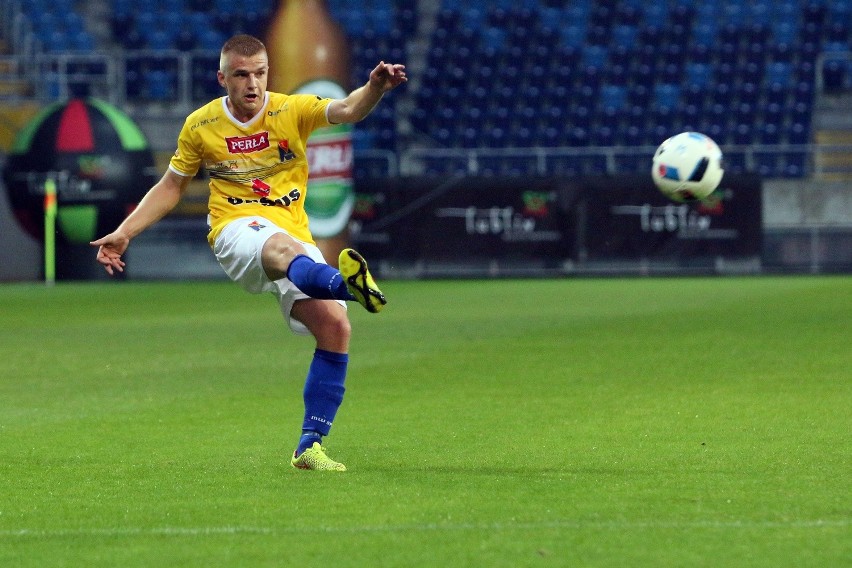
<point x="566" y="422"/>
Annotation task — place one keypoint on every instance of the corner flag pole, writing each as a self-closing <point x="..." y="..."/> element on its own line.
<point x="50" y="208"/>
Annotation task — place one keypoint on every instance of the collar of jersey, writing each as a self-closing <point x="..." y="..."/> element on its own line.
<point x="253" y="119"/>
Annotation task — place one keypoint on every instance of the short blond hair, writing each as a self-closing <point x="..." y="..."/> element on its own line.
<point x="241" y="44"/>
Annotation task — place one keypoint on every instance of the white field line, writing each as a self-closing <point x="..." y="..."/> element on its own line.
<point x="442" y="527"/>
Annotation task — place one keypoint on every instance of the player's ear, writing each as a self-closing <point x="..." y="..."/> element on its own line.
<point x="221" y="77"/>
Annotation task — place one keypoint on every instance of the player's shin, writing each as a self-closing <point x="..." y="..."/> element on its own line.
<point x="323" y="395"/>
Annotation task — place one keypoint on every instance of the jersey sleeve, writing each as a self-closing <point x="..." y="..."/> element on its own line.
<point x="313" y="112"/>
<point x="186" y="160"/>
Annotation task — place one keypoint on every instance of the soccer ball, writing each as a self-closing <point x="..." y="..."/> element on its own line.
<point x="687" y="167"/>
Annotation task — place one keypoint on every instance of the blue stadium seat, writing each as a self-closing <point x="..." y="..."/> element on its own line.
<point x="803" y="92"/>
<point x="722" y="93"/>
<point x="595" y="56"/>
<point x="82" y="41"/>
<point x="798" y="133"/>
<point x="173" y="6"/>
<point x="748" y="92"/>
<point x="624" y="34"/>
<point x="681" y="14"/>
<point x="159" y="85"/>
<point x="362" y="138"/>
<point x="494" y="38"/>
<point x="759" y="12"/>
<point x="199" y="23"/>
<point x="767" y="163"/>
<point x="835" y="69"/>
<point x="159" y="39"/>
<point x="785" y="10"/>
<point x="656" y="133"/>
<point x="813" y="13"/>
<point x="727" y="52"/>
<point x="630" y="12"/>
<point x="636" y="115"/>
<point x="743" y="134"/>
<point x="633" y="135"/>
<point x="580" y="116"/>
<point x="71" y="22"/>
<point x="671" y="72"/>
<point x="211" y="39"/>
<point x="61" y="6"/>
<point x="779" y="72"/>
<point x="472" y="17"/>
<point x="613" y="99"/>
<point x="656" y="13"/>
<point x="794" y="164"/>
<point x="735" y="161"/>
<point x="204" y="83"/>
<point x="718" y="131"/>
<point x="689" y="117"/>
<point x="666" y="96"/>
<point x="495" y="137"/>
<point x="800" y="112"/>
<point x="573" y="35"/>
<point x="57" y="41"/>
<point x="643" y="74"/>
<point x="699" y="74"/>
<point x="547" y="137"/>
<point x="773" y="113"/>
<point x="769" y="133"/>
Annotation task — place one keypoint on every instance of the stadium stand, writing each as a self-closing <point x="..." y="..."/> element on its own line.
<point x="524" y="73"/>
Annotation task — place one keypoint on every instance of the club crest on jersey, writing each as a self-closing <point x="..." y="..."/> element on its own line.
<point x="284" y="151"/>
<point x="248" y="144"/>
<point x="256" y="226"/>
<point x="260" y="187"/>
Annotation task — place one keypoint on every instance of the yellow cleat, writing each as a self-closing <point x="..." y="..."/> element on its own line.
<point x="353" y="267"/>
<point x="316" y="459"/>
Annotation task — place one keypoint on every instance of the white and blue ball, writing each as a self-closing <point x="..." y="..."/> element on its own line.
<point x="687" y="167"/>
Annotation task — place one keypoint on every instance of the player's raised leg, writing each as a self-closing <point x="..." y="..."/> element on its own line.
<point x="283" y="256"/>
<point x="360" y="282"/>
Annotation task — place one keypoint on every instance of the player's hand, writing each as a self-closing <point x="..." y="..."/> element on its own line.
<point x="110" y="249"/>
<point x="387" y="76"/>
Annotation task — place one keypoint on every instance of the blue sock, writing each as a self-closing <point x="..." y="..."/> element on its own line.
<point x="307" y="440"/>
<point x="323" y="395"/>
<point x="318" y="280"/>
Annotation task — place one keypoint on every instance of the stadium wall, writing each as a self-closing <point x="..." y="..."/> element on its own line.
<point x="806" y="227"/>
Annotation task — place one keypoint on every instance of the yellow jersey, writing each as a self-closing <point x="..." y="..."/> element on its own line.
<point x="259" y="167"/>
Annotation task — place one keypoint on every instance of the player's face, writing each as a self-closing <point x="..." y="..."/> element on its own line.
<point x="244" y="78"/>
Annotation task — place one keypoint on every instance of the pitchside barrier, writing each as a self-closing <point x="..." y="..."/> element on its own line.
<point x="516" y="226"/>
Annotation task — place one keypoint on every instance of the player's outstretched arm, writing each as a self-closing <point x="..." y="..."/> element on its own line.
<point x="160" y="199"/>
<point x="360" y="102"/>
<point x="387" y="76"/>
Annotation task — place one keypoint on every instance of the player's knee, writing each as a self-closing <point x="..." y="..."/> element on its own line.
<point x="278" y="251"/>
<point x="340" y="327"/>
<point x="334" y="333"/>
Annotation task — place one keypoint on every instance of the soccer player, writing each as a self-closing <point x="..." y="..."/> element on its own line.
<point x="252" y="143"/>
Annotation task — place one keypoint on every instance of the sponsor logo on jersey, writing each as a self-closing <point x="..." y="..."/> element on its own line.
<point x="284" y="151"/>
<point x="260" y="187"/>
<point x="205" y="122"/>
<point x="256" y="226"/>
<point x="283" y="201"/>
<point x="248" y="144"/>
